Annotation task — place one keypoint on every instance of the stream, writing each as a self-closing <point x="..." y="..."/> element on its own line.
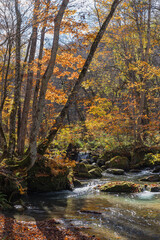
<point x="105" y="215"/>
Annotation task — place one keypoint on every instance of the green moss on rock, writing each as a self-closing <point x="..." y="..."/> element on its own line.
<point x="89" y="166"/>
<point x="118" y="162"/>
<point x="115" y="171"/>
<point x="152" y="178"/>
<point x="81" y="171"/>
<point x="120" y="187"/>
<point x="96" y="173"/>
<point x="77" y="183"/>
<point x="47" y="178"/>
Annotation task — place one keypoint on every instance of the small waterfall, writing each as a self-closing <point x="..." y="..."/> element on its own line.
<point x="85" y="156"/>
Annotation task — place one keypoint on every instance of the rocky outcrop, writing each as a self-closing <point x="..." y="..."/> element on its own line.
<point x="48" y="175"/>
<point x="118" y="162"/>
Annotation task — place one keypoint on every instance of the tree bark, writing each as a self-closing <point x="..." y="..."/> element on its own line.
<point x="22" y="74"/>
<point x="37" y="87"/>
<point x="17" y="82"/>
<point x="28" y="92"/>
<point x="4" y="94"/>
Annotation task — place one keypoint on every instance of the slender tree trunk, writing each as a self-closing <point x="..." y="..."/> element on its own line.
<point x="73" y="95"/>
<point x="45" y="79"/>
<point x="5" y="79"/>
<point x="37" y="87"/>
<point x="143" y="111"/>
<point x="4" y="94"/>
<point x="12" y="134"/>
<point x="148" y="31"/>
<point x="22" y="74"/>
<point x="28" y="92"/>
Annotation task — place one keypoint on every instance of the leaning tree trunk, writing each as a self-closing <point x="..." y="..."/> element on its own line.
<point x="73" y="95"/>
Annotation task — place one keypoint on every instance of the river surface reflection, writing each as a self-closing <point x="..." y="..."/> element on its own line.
<point x="107" y="216"/>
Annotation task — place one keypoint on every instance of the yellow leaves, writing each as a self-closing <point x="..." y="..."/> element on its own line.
<point x="144" y="69"/>
<point x="88" y="83"/>
<point x="124" y="5"/>
<point x="100" y="107"/>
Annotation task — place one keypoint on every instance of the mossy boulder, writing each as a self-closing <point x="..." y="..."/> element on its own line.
<point x="144" y="156"/>
<point x="152" y="178"/>
<point x="118" y="162"/>
<point x="120" y="187"/>
<point x="81" y="171"/>
<point x="96" y="173"/>
<point x="89" y="166"/>
<point x="77" y="183"/>
<point x="115" y="171"/>
<point x="151" y="159"/>
<point x="48" y="175"/>
<point x="124" y="151"/>
<point x="8" y="186"/>
<point x="155" y="189"/>
<point x="148" y="160"/>
<point x="100" y="162"/>
<point x="156" y="169"/>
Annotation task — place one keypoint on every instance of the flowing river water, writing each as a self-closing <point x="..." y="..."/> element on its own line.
<point x="105" y="215"/>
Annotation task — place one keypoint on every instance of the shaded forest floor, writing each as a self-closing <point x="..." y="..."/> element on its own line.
<point x="11" y="229"/>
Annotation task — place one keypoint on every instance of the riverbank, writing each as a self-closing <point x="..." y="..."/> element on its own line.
<point x="11" y="229"/>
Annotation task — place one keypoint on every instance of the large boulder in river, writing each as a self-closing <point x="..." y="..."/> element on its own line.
<point x="124" y="151"/>
<point x="96" y="173"/>
<point x="120" y="187"/>
<point x="47" y="175"/>
<point x="156" y="169"/>
<point x="91" y="166"/>
<point x="81" y="171"/>
<point x="77" y="183"/>
<point x="118" y="162"/>
<point x="155" y="189"/>
<point x="115" y="171"/>
<point x="145" y="157"/>
<point x="100" y="162"/>
<point x="152" y="178"/>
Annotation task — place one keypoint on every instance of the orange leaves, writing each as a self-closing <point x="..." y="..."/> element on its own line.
<point x="74" y="75"/>
<point x="55" y="95"/>
<point x="68" y="60"/>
